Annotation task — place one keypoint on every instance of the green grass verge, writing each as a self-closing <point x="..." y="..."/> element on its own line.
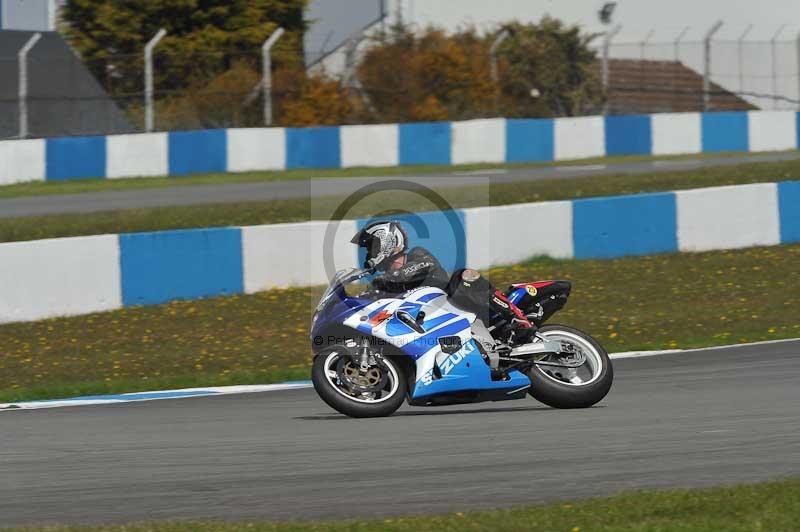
<point x="768" y="506"/>
<point x="256" y="213"/>
<point x="662" y="301"/>
<point x="108" y="185"/>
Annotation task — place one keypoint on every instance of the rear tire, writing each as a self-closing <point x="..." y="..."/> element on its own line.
<point x="337" y="398"/>
<point x="552" y="392"/>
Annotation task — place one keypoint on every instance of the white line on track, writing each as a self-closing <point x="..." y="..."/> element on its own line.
<point x="152" y="396"/>
<point x="229" y="390"/>
<point x="638" y="354"/>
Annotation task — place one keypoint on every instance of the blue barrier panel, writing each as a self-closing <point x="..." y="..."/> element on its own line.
<point x="725" y="132"/>
<point x="198" y="152"/>
<point x="529" y="140"/>
<point x="159" y="267"/>
<point x="313" y="147"/>
<point x="440" y="232"/>
<point x="789" y="207"/>
<point x="75" y="158"/>
<point x="797" y="122"/>
<point x="425" y="143"/>
<point x="628" y="135"/>
<point x="625" y="225"/>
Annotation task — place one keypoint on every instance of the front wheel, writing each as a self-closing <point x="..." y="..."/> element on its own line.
<point x="577" y="387"/>
<point x="340" y="382"/>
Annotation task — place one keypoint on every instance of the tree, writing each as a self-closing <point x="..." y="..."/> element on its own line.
<point x="313" y="100"/>
<point x="552" y="60"/>
<point x="427" y="76"/>
<point x="430" y="75"/>
<point x="204" y="37"/>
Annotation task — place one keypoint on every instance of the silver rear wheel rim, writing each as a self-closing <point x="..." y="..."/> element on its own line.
<point x="594" y="361"/>
<point x="329" y="370"/>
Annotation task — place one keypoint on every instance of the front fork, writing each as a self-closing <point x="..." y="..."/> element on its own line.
<point x="361" y="354"/>
<point x="364" y="356"/>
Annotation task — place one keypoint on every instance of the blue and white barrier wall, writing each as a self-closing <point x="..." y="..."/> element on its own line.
<point x="60" y="277"/>
<point x="495" y="140"/>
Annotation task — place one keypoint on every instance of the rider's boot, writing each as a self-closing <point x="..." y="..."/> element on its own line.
<point x="521" y="326"/>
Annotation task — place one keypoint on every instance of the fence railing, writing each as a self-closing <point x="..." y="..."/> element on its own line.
<point x="763" y="74"/>
<point x="63" y="96"/>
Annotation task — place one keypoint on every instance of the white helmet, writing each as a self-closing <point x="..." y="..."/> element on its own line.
<point x="383" y="241"/>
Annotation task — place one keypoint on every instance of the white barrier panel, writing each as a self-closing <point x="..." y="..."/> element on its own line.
<point x="728" y="217"/>
<point x="22" y="161"/>
<point x="579" y="138"/>
<point x="676" y="133"/>
<point x="277" y="256"/>
<point x="143" y="155"/>
<point x="256" y="149"/>
<point x="772" y="130"/>
<point x="373" y="145"/>
<point x="478" y="141"/>
<point x="512" y="233"/>
<point x="59" y="277"/>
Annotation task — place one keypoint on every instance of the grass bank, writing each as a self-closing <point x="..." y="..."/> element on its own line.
<point x="662" y="301"/>
<point x="773" y="506"/>
<point x="295" y="210"/>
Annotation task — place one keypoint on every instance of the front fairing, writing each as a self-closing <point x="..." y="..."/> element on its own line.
<point x="335" y="312"/>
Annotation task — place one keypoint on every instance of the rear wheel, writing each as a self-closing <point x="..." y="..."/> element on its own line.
<point x="340" y="382"/>
<point x="577" y="387"/>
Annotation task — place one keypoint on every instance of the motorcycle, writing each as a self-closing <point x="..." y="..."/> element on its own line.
<point x="372" y="352"/>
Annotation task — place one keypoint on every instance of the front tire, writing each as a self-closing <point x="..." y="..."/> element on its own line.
<point x="554" y="387"/>
<point x="343" y="399"/>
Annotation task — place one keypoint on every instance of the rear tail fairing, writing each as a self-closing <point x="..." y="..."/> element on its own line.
<point x="540" y="300"/>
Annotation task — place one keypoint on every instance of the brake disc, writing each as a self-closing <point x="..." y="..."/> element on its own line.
<point x="372" y="380"/>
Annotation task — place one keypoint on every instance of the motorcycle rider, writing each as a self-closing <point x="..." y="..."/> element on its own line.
<point x="386" y="244"/>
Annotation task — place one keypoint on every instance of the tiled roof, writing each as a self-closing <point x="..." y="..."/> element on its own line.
<point x="642" y="86"/>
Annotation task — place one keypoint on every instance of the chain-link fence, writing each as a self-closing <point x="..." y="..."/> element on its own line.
<point x="68" y="96"/>
<point x="669" y="76"/>
<point x="47" y="90"/>
<point x="64" y="95"/>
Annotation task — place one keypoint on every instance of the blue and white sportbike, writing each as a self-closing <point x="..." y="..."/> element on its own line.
<point x="372" y="351"/>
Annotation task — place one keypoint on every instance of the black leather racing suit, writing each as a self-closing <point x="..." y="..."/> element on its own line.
<point x="476" y="295"/>
<point x="420" y="269"/>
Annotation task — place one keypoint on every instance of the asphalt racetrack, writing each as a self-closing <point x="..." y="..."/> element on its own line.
<point x="335" y="186"/>
<point x="681" y="420"/>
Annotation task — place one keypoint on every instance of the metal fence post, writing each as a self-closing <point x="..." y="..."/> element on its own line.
<point x="148" y="79"/>
<point x="707" y="64"/>
<point x="266" y="74"/>
<point x="677" y="43"/>
<point x="740" y="52"/>
<point x="606" y="45"/>
<point x="350" y="76"/>
<point x="643" y="43"/>
<point x="22" y="59"/>
<point x="351" y="57"/>
<point x="774" y="55"/>
<point x="502" y="36"/>
<point x="798" y="67"/>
